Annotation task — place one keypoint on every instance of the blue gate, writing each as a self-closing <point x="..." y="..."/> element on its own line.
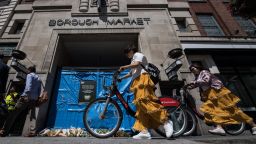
<point x="73" y="91"/>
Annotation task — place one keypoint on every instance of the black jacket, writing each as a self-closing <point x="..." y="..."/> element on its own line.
<point x="4" y="70"/>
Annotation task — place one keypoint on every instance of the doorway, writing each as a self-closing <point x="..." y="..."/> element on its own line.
<point x="82" y="60"/>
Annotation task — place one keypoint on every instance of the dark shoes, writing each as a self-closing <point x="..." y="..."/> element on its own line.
<point x="2" y="133"/>
<point x="30" y="135"/>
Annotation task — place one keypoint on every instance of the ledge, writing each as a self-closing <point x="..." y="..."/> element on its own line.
<point x="49" y="7"/>
<point x="27" y="8"/>
<point x="185" y="39"/>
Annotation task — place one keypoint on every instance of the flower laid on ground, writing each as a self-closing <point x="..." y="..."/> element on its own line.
<point x="76" y="132"/>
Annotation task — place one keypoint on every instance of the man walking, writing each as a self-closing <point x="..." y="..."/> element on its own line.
<point x="4" y="70"/>
<point x="27" y="100"/>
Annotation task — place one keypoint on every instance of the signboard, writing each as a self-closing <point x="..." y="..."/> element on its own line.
<point x="96" y="22"/>
<point x="87" y="91"/>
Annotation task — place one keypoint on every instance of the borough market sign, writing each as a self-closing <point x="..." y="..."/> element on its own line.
<point x="92" y="22"/>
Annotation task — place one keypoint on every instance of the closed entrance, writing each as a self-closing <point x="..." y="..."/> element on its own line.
<point x="82" y="61"/>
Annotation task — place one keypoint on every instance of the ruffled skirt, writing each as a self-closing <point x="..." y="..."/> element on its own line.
<point x="220" y="108"/>
<point x="149" y="114"/>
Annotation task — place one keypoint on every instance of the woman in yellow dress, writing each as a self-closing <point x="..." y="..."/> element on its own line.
<point x="149" y="114"/>
<point x="219" y="105"/>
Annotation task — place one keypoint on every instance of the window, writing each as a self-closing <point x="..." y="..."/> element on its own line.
<point x="247" y="25"/>
<point x="6" y="48"/>
<point x="238" y="73"/>
<point x="181" y="22"/>
<point x="4" y="2"/>
<point x="209" y="25"/>
<point x="17" y="27"/>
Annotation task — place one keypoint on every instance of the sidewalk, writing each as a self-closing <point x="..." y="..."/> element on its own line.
<point x="212" y="139"/>
<point x="244" y="139"/>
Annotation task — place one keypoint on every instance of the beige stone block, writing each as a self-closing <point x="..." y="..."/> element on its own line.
<point x="154" y="40"/>
<point x="158" y="2"/>
<point x="6" y="35"/>
<point x="7" y="29"/>
<point x="190" y="21"/>
<point x="173" y="21"/>
<point x="22" y="16"/>
<point x="11" y="23"/>
<point x="134" y="2"/>
<point x="129" y="2"/>
<point x="178" y="5"/>
<point x="180" y="14"/>
<point x="180" y="34"/>
<point x="196" y="33"/>
<point x="24" y="7"/>
<point x="193" y="27"/>
<point x="175" y="27"/>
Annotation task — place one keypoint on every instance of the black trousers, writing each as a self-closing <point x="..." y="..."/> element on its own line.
<point x="22" y="104"/>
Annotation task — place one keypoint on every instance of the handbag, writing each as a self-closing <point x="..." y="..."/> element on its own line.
<point x="153" y="72"/>
<point x="43" y="97"/>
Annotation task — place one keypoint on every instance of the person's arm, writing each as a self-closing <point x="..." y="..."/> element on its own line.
<point x="126" y="76"/>
<point x="28" y="85"/>
<point x="132" y="65"/>
<point x="203" y="79"/>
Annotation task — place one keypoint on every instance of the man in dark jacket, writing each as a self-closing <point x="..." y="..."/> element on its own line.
<point x="27" y="100"/>
<point x="4" y="70"/>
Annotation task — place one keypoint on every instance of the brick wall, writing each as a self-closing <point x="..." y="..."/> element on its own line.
<point x="221" y="14"/>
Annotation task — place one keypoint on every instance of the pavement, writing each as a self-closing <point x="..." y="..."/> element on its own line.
<point x="209" y="139"/>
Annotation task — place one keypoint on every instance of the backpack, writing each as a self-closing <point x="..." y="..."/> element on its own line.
<point x="153" y="71"/>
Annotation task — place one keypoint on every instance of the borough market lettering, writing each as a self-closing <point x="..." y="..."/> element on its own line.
<point x="91" y="22"/>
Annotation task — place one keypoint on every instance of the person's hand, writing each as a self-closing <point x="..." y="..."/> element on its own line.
<point x="119" y="79"/>
<point x="121" y="68"/>
<point x="189" y="86"/>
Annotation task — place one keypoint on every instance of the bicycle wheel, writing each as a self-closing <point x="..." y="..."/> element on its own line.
<point x="191" y="123"/>
<point x="235" y="129"/>
<point x="179" y="119"/>
<point x="102" y="127"/>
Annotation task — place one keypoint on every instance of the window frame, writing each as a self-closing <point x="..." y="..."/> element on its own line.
<point x="239" y="19"/>
<point x="4" y="2"/>
<point x="15" y="25"/>
<point x="211" y="16"/>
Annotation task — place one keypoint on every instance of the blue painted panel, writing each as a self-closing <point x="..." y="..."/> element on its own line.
<point x="66" y="111"/>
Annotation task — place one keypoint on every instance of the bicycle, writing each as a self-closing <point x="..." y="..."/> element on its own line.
<point x="108" y="115"/>
<point x="193" y="114"/>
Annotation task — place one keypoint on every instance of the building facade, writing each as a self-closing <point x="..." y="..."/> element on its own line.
<point x="63" y="36"/>
<point x="6" y="12"/>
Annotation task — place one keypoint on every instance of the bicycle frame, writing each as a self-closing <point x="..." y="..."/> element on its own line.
<point x="165" y="101"/>
<point x="173" y="108"/>
<point x="189" y="103"/>
<point x="114" y="91"/>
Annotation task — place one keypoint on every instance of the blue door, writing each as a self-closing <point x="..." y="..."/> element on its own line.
<point x="75" y="89"/>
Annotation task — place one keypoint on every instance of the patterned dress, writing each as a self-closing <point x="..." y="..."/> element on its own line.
<point x="220" y="105"/>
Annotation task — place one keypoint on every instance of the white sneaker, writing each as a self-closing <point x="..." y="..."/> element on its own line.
<point x="218" y="131"/>
<point x="168" y="127"/>
<point x="254" y="131"/>
<point x="142" y="135"/>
